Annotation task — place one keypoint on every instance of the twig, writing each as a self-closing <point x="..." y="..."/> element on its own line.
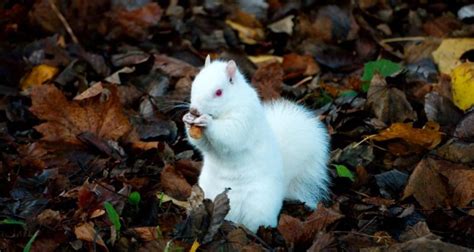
<point x="63" y="21"/>
<point x="402" y="39"/>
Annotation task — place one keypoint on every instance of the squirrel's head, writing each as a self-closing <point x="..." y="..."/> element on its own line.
<point x="218" y="88"/>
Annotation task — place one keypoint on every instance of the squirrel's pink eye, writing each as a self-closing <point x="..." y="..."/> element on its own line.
<point x="218" y="92"/>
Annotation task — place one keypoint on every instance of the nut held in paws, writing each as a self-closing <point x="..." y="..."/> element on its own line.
<point x="195" y="132"/>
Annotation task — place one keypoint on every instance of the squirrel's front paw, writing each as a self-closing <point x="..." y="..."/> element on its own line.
<point x="189" y="119"/>
<point x="203" y="120"/>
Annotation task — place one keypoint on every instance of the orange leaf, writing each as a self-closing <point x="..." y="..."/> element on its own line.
<point x="428" y="137"/>
<point x="100" y="115"/>
<point x="38" y="75"/>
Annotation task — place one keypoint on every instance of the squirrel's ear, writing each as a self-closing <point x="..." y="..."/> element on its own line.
<point x="231" y="69"/>
<point x="208" y="61"/>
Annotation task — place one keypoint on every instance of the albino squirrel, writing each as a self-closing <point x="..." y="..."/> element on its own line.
<point x="263" y="152"/>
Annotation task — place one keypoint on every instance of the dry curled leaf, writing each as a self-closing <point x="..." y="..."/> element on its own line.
<point x="65" y="120"/>
<point x="86" y="232"/>
<point x="174" y="183"/>
<point x="426" y="176"/>
<point x="428" y="137"/>
<point x="388" y="104"/>
<point x="269" y="80"/>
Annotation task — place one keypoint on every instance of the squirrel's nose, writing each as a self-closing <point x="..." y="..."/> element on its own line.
<point x="194" y="111"/>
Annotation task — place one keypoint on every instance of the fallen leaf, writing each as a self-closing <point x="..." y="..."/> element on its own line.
<point x="441" y="110"/>
<point x="391" y="183"/>
<point x="442" y="26"/>
<point x="247" y="35"/>
<point x="134" y="23"/>
<point x="428" y="137"/>
<point x="377" y="201"/>
<point x="49" y="218"/>
<point x="174" y="67"/>
<point x="415" y="52"/>
<point x="38" y="76"/>
<point x="269" y="80"/>
<point x="86" y="232"/>
<point x="284" y="25"/>
<point x="92" y="91"/>
<point x="147" y="233"/>
<point x="463" y="85"/>
<point x="65" y="120"/>
<point x="426" y="176"/>
<point x="460" y="178"/>
<point x="174" y="183"/>
<point x="219" y="212"/>
<point x="465" y="128"/>
<point x="420" y="229"/>
<point x="457" y="151"/>
<point x="389" y="105"/>
<point x="450" y="51"/>
<point x="264" y="58"/>
<point x="322" y="242"/>
<point x="295" y="65"/>
<point x="297" y="232"/>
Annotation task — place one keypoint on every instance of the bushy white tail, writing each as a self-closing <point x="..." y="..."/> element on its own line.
<point x="304" y="144"/>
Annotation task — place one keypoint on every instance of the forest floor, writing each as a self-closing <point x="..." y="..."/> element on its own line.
<point x="93" y="155"/>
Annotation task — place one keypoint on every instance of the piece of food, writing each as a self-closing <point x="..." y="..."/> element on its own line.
<point x="195" y="132"/>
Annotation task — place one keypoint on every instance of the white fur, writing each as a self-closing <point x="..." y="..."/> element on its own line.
<point x="263" y="152"/>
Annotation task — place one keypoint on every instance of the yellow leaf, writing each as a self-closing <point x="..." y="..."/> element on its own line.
<point x="263" y="58"/>
<point x="428" y="137"/>
<point x="463" y="85"/>
<point x="247" y="35"/>
<point x="448" y="53"/>
<point x="195" y="246"/>
<point x="38" y="75"/>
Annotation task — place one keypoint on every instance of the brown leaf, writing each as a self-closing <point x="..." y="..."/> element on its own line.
<point x="86" y="232"/>
<point x="420" y="229"/>
<point x="135" y="23"/>
<point x="219" y="212"/>
<point x="65" y="120"/>
<point x="297" y="232"/>
<point x="377" y="201"/>
<point x="174" y="183"/>
<point x="49" y="218"/>
<point x="268" y="80"/>
<point x="465" y="128"/>
<point x="174" y="67"/>
<point x="460" y="180"/>
<point x="295" y="65"/>
<point x="147" y="233"/>
<point x="415" y="52"/>
<point x="441" y="26"/>
<point x="427" y="186"/>
<point x="290" y="228"/>
<point x="457" y="151"/>
<point x="441" y="110"/>
<point x="389" y="105"/>
<point x="322" y="242"/>
<point x="428" y="136"/>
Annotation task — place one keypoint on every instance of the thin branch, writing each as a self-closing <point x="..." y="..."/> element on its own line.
<point x="402" y="39"/>
<point x="64" y="22"/>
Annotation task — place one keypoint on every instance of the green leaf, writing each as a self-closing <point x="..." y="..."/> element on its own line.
<point x="113" y="216"/>
<point x="382" y="66"/>
<point x="348" y="93"/>
<point x="28" y="245"/>
<point x="9" y="221"/>
<point x="134" y="198"/>
<point x="343" y="171"/>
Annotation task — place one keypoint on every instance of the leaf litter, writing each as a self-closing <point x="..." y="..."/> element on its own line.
<point x="94" y="92"/>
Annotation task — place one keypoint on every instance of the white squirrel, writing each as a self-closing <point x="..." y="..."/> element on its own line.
<point x="263" y="152"/>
